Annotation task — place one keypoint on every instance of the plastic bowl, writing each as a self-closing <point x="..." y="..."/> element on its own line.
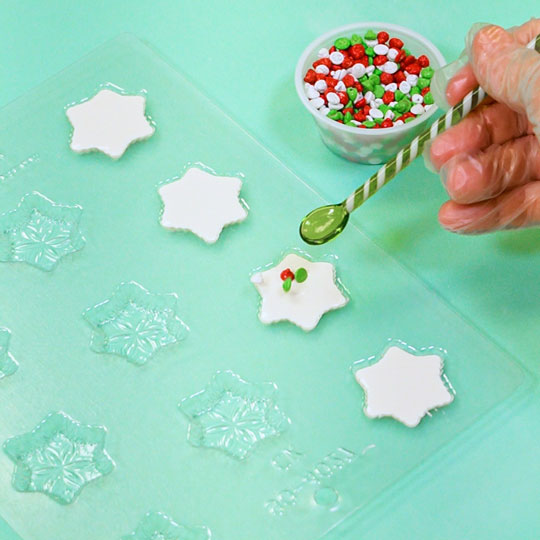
<point x="366" y="145"/>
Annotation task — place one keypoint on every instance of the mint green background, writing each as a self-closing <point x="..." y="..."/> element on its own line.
<point x="242" y="55"/>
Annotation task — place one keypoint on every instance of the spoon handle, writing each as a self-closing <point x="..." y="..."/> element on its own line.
<point x="407" y="154"/>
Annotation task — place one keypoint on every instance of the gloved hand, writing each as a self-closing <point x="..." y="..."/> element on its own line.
<point x="490" y="161"/>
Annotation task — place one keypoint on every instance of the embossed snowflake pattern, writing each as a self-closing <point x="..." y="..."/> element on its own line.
<point x="40" y="232"/>
<point x="158" y="526"/>
<point x="135" y="323"/>
<point x="59" y="457"/>
<point x="8" y="365"/>
<point x="233" y="415"/>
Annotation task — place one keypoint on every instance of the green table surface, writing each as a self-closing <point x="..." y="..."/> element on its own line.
<point x="242" y="54"/>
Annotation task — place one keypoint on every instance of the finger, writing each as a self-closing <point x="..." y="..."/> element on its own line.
<point x="507" y="71"/>
<point x="485" y="126"/>
<point x="471" y="178"/>
<point x="512" y="210"/>
<point x="526" y="32"/>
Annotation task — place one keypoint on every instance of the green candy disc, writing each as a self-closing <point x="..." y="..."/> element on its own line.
<point x="370" y="52"/>
<point x="300" y="275"/>
<point x="370" y="34"/>
<point x="352" y="93"/>
<point x="342" y="43"/>
<point x="379" y="91"/>
<point x="422" y="83"/>
<point x="428" y="98"/>
<point x="287" y="284"/>
<point x="427" y="72"/>
<point x="399" y="95"/>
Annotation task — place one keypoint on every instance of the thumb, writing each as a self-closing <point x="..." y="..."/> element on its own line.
<point x="508" y="71"/>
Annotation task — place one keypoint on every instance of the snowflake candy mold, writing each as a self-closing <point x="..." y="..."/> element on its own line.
<point x="305" y="303"/>
<point x="8" y="365"/>
<point x="202" y="202"/>
<point x="40" y="232"/>
<point x="404" y="383"/>
<point x="108" y="122"/>
<point x="233" y="415"/>
<point x="159" y="526"/>
<point x="58" y="457"/>
<point x="135" y="323"/>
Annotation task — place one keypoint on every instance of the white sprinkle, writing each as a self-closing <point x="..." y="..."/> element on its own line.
<point x="370" y="96"/>
<point x="370" y="69"/>
<point x="380" y="49"/>
<point x="412" y="79"/>
<point x="378" y="102"/>
<point x="399" y="123"/>
<point x="392" y="87"/>
<point x="389" y="67"/>
<point x="320" y="85"/>
<point x="321" y="68"/>
<point x="317" y="102"/>
<point x="372" y="42"/>
<point x="358" y="70"/>
<point x="389" y="114"/>
<point x="324" y="110"/>
<point x="392" y="104"/>
<point x="417" y="98"/>
<point x="368" y="117"/>
<point x="340" y="87"/>
<point x="404" y="87"/>
<point x="323" y="53"/>
<point x="428" y="106"/>
<point x="335" y="106"/>
<point x="392" y="54"/>
<point x="359" y="97"/>
<point x="336" y="58"/>
<point x="375" y="113"/>
<point x="311" y="93"/>
<point x="339" y="74"/>
<point x="307" y="86"/>
<point x="417" y="109"/>
<point x="332" y="97"/>
<point x="356" y="122"/>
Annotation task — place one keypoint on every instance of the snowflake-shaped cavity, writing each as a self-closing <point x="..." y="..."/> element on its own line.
<point x="8" y="365"/>
<point x="40" y="232"/>
<point x="135" y="323"/>
<point x="233" y="415"/>
<point x="59" y="457"/>
<point x="158" y="526"/>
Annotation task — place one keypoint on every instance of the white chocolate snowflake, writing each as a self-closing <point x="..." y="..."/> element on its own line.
<point x="403" y="385"/>
<point x="108" y="122"/>
<point x="306" y="302"/>
<point x="202" y="203"/>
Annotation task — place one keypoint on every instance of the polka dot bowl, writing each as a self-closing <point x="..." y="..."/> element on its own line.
<point x="371" y="146"/>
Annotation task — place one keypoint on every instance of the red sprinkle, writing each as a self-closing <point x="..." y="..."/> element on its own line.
<point x="357" y="51"/>
<point x="380" y="60"/>
<point x="395" y="43"/>
<point x="408" y="60"/>
<point x="401" y="56"/>
<point x="383" y="37"/>
<point x="311" y="76"/>
<point x="413" y="69"/>
<point x="287" y="273"/>
<point x="360" y="103"/>
<point x="343" y="97"/>
<point x="349" y="80"/>
<point x="388" y="97"/>
<point x="347" y="110"/>
<point x="323" y="61"/>
<point x="399" y="77"/>
<point x="424" y="91"/>
<point x="386" y="78"/>
<point x="360" y="116"/>
<point x="387" y="123"/>
<point x="423" y="61"/>
<point x="347" y="63"/>
<point x="332" y="49"/>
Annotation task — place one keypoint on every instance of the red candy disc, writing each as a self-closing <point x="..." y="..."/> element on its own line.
<point x="383" y="37"/>
<point x="287" y="273"/>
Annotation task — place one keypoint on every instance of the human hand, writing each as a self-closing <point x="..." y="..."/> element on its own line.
<point x="490" y="161"/>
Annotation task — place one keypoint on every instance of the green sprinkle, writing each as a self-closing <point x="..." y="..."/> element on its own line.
<point x="399" y="95"/>
<point x="370" y="52"/>
<point x="414" y="90"/>
<point x="363" y="78"/>
<point x="407" y="52"/>
<point x="342" y="43"/>
<point x="356" y="39"/>
<point x="374" y="79"/>
<point x="379" y="91"/>
<point x="377" y="71"/>
<point x="403" y="105"/>
<point x="422" y="83"/>
<point x="410" y="119"/>
<point x="348" y="117"/>
<point x="335" y="115"/>
<point x="378" y="120"/>
<point x="427" y="72"/>
<point x="368" y="86"/>
<point x="370" y="34"/>
<point x="428" y="99"/>
<point x="349" y="104"/>
<point x="301" y="274"/>
<point x="352" y="124"/>
<point x="384" y="108"/>
<point x="352" y="93"/>
<point x="287" y="284"/>
<point x="370" y="60"/>
<point x="369" y="123"/>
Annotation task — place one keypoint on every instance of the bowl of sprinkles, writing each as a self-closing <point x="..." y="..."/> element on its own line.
<point x="368" y="88"/>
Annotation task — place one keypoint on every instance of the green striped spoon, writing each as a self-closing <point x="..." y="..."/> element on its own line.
<point x="325" y="223"/>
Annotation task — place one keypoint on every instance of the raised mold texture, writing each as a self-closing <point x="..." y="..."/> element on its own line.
<point x="135" y="323"/>
<point x="233" y="415"/>
<point x="59" y="457"/>
<point x="158" y="526"/>
<point x="40" y="232"/>
<point x="8" y="365"/>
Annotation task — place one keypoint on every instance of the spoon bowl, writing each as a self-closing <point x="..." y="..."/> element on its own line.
<point x="323" y="224"/>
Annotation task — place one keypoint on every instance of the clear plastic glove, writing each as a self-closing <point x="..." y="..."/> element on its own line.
<point x="490" y="161"/>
